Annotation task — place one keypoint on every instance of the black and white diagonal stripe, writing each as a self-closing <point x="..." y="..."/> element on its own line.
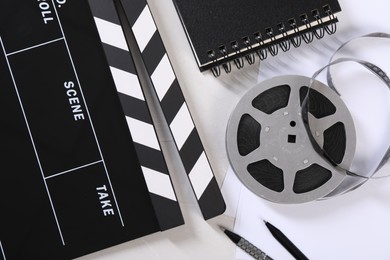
<point x="137" y="114"/>
<point x="174" y="107"/>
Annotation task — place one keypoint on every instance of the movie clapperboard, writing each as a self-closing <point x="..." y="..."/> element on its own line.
<point x="83" y="169"/>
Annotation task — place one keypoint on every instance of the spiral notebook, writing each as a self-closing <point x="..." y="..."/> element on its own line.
<point x="224" y="33"/>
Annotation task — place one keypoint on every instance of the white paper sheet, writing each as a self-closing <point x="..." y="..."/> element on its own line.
<point x="231" y="192"/>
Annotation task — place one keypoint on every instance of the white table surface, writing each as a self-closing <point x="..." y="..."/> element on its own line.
<point x="211" y="100"/>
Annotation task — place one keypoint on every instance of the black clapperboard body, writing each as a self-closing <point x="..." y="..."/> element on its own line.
<point x="82" y="167"/>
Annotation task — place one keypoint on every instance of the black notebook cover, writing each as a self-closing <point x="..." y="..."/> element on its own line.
<point x="218" y="24"/>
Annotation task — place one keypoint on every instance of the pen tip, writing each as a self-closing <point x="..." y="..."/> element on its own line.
<point x="222" y="228"/>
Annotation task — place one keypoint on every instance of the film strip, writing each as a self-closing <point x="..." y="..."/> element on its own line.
<point x="352" y="179"/>
<point x="174" y="107"/>
<point x="137" y="114"/>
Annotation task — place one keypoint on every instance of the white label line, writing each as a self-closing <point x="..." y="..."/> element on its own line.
<point x="87" y="111"/>
<point x="2" y="250"/>
<point x="71" y="170"/>
<point x="32" y="141"/>
<point x="35" y="46"/>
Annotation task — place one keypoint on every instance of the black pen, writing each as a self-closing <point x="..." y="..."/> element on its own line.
<point x="247" y="246"/>
<point x="286" y="243"/>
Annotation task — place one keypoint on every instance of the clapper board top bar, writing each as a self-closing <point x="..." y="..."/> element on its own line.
<point x="137" y="114"/>
<point x="174" y="107"/>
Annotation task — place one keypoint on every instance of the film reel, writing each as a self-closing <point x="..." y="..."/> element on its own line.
<point x="270" y="149"/>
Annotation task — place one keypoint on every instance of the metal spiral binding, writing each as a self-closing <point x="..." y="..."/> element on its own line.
<point x="284" y="45"/>
<point x="262" y="53"/>
<point x="320" y="31"/>
<point x="216" y="70"/>
<point x="297" y="39"/>
<point x="239" y="62"/>
<point x="226" y="66"/>
<point x="273" y="48"/>
<point x="250" y="58"/>
<point x="307" y="34"/>
<point x="330" y="28"/>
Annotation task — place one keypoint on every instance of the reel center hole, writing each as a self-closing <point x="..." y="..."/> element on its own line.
<point x="292" y="139"/>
